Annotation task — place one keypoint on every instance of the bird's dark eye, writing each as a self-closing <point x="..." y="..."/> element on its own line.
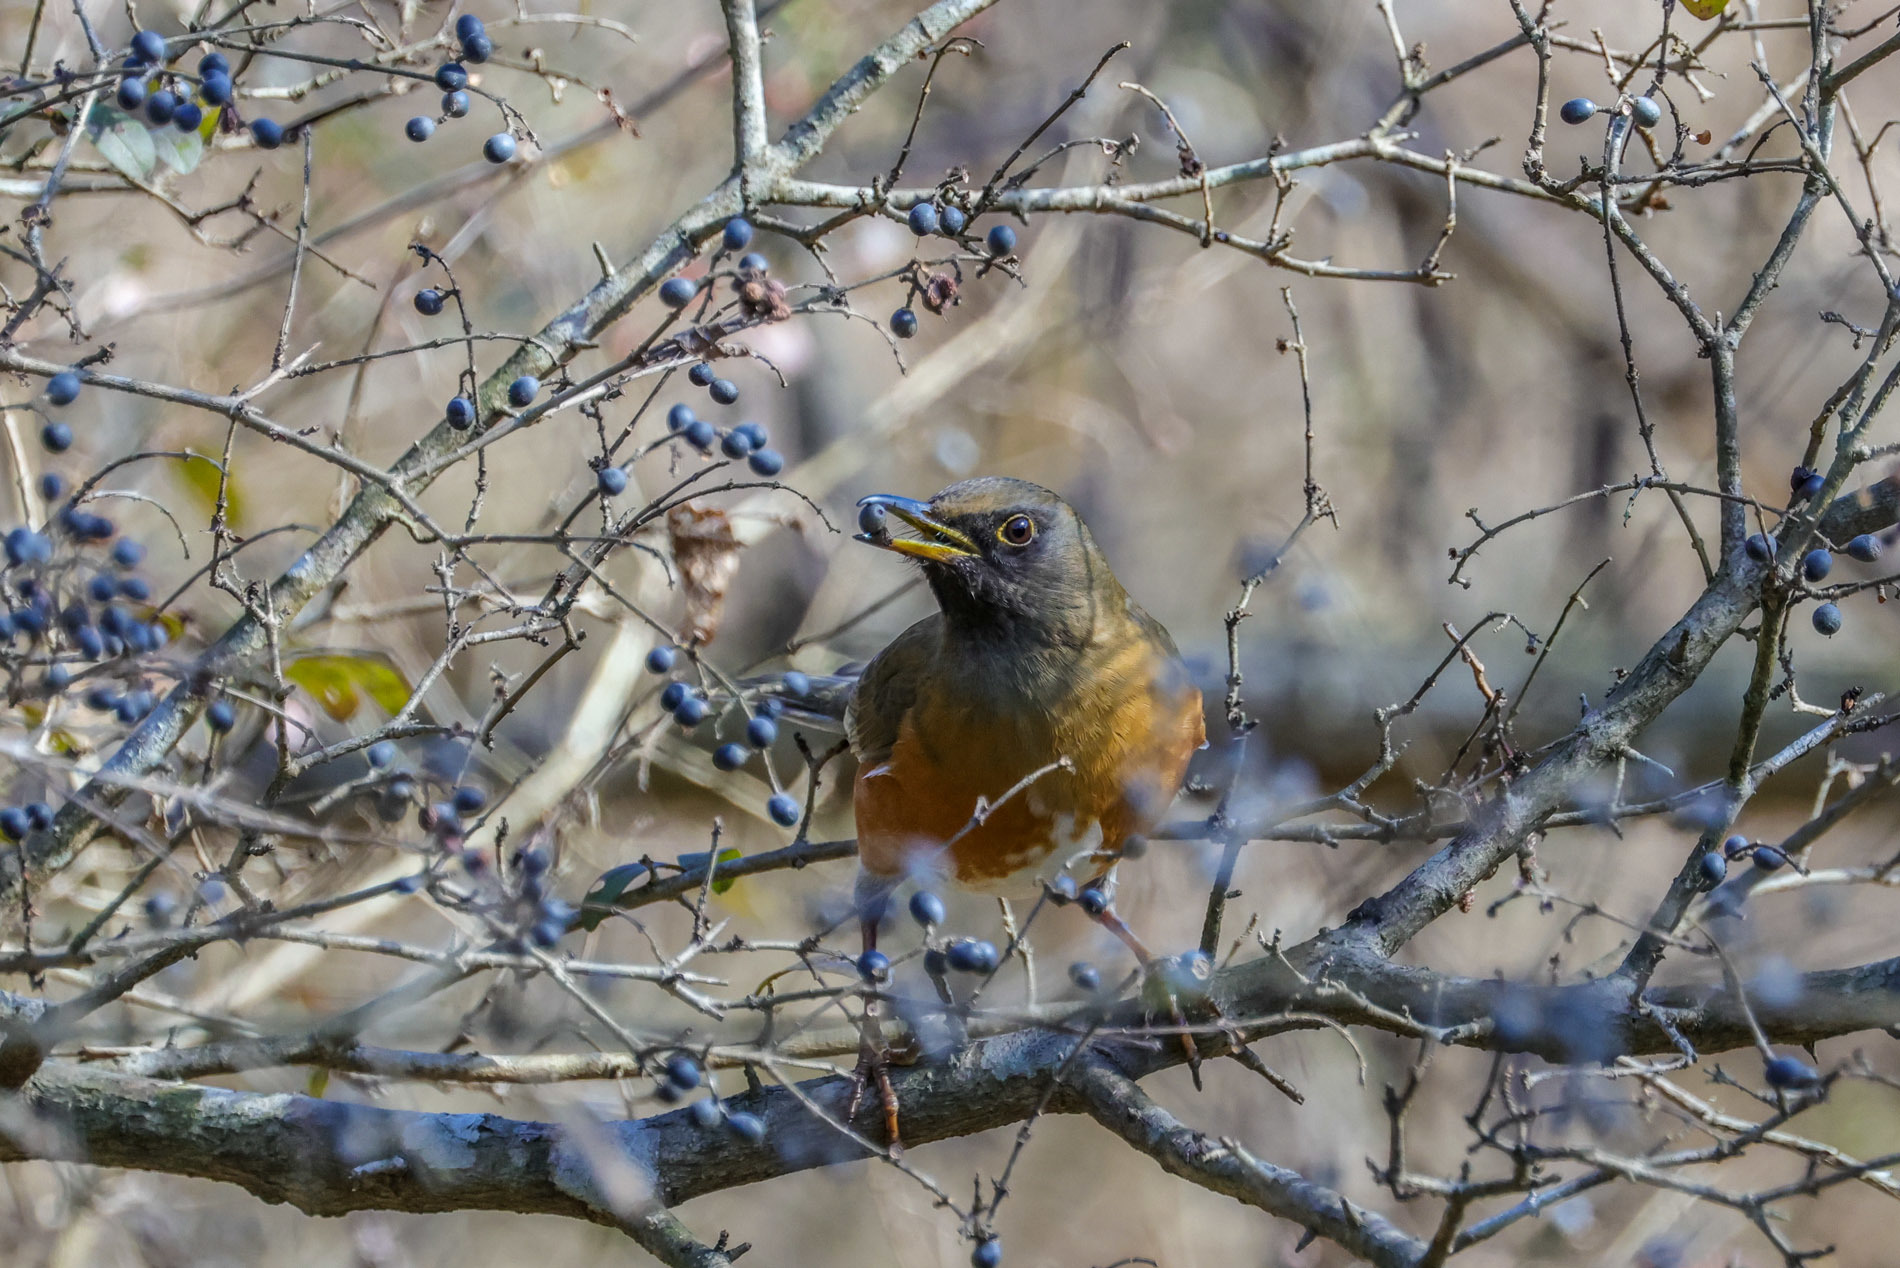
<point x="1017" y="530"/>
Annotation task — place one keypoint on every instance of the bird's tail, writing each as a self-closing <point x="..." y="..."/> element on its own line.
<point x="813" y="700"/>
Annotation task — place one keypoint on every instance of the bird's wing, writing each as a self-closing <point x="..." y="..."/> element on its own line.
<point x="887" y="689"/>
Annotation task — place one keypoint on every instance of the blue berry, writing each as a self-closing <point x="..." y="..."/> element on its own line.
<point x="678" y="292"/>
<point x="460" y="413"/>
<point x="477" y="48"/>
<point x="730" y="756"/>
<point x="795" y="683"/>
<point x="455" y="104"/>
<point x="468" y="799"/>
<point x="766" y="462"/>
<point x="134" y="588"/>
<point x="988" y="1254"/>
<point x="1811" y="487"/>
<point x="1577" y="110"/>
<point x="188" y="117"/>
<point x="1785" y="1072"/>
<point x="1062" y="889"/>
<point x="769" y="708"/>
<point x="761" y="732"/>
<point x="1827" y="619"/>
<point x="673" y="695"/>
<point x="926" y="908"/>
<point x="871" y="519"/>
<point x="215" y="90"/>
<point x="660" y="660"/>
<point x="221" y="716"/>
<point x="735" y="444"/>
<point x="56" y="437"/>
<point x="102" y="589"/>
<point x="547" y="931"/>
<point x="429" y="301"/>
<point x="1085" y="976"/>
<point x="213" y="64"/>
<point x="747" y="1127"/>
<point x="468" y="26"/>
<point x="24" y="546"/>
<point x="701" y="375"/>
<point x="1816" y="564"/>
<point x="700" y="434"/>
<point x="755" y="434"/>
<point x="160" y="107"/>
<point x="783" y="809"/>
<point x="62" y="388"/>
<point x="420" y="128"/>
<point x="753" y="262"/>
<point x="1001" y="240"/>
<point x="131" y="94"/>
<point x="1714" y="868"/>
<point x="149" y="46"/>
<point x="382" y="754"/>
<point x="1865" y="548"/>
<point x="613" y="481"/>
<point x="40" y="815"/>
<point x="58" y="678"/>
<point x="1093" y="901"/>
<point x="724" y="391"/>
<point x="953" y="220"/>
<point x="680" y="417"/>
<point x="706" y="1114"/>
<point x="874" y="966"/>
<point x="268" y="133"/>
<point x="1768" y="858"/>
<point x="13" y="824"/>
<point x="1646" y="112"/>
<point x="923" y="220"/>
<point x="904" y="323"/>
<point x="691" y="712"/>
<point x="1759" y="548"/>
<point x="52" y="486"/>
<point x="1735" y="846"/>
<point x="683" y="1072"/>
<point x="499" y="148"/>
<point x="972" y="955"/>
<point x="738" y="233"/>
<point x="522" y="391"/>
<point x="450" y="77"/>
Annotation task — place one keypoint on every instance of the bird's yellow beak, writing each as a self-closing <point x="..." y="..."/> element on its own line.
<point x="936" y="542"/>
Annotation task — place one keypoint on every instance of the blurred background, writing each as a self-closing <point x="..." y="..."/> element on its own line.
<point x="1140" y="376"/>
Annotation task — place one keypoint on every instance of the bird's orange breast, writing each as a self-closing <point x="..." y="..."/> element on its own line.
<point x="1126" y="724"/>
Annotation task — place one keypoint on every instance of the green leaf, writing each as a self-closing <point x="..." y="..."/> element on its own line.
<point x="180" y="151"/>
<point x="721" y="882"/>
<point x="339" y="680"/>
<point x="606" y="891"/>
<point x="127" y="146"/>
<point x="201" y="481"/>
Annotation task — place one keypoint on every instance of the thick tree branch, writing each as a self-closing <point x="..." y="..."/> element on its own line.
<point x="1117" y="1102"/>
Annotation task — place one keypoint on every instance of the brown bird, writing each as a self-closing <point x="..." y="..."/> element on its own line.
<point x="1040" y="720"/>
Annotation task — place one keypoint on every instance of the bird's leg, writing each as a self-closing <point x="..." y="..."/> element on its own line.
<point x="1102" y="911"/>
<point x="873" y="1055"/>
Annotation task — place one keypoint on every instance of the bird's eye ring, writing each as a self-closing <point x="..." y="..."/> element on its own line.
<point x="1017" y="530"/>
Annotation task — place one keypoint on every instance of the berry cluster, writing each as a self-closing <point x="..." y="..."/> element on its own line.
<point x="453" y="79"/>
<point x="168" y="98"/>
<point x="929" y="218"/>
<point x="690" y="707"/>
<point x="1644" y="112"/>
